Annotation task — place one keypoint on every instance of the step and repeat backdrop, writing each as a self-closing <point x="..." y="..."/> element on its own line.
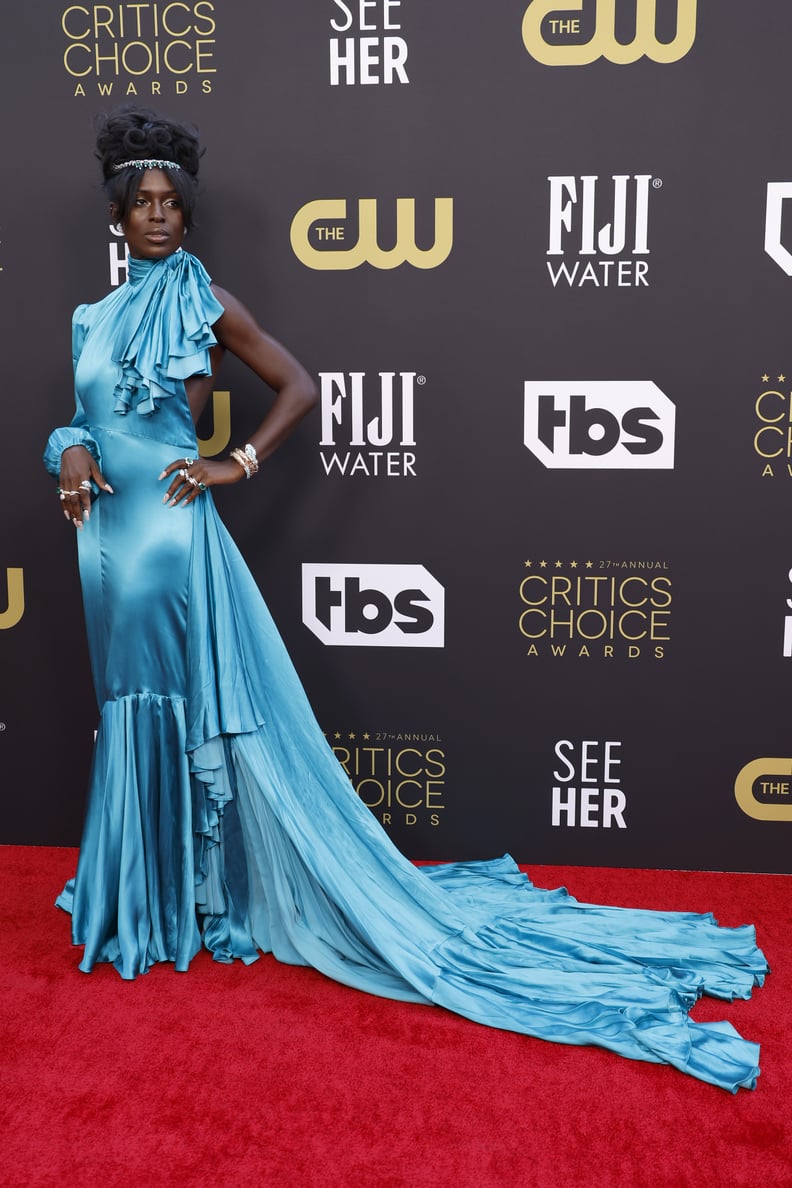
<point x="532" y="554"/>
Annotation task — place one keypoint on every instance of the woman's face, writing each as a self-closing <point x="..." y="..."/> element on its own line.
<point x="154" y="226"/>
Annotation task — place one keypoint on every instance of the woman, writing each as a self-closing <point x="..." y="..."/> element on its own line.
<point x="217" y="814"/>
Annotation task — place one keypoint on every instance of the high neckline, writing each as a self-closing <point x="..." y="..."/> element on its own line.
<point x="163" y="329"/>
<point x="139" y="268"/>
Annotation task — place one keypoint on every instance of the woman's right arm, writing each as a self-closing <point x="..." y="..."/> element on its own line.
<point x="72" y="456"/>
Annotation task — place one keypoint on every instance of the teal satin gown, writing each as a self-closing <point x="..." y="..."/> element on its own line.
<point x="219" y="816"/>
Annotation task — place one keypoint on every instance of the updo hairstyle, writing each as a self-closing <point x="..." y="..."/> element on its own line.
<point x="134" y="133"/>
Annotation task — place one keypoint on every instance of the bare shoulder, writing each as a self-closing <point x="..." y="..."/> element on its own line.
<point x="231" y="305"/>
<point x="236" y="326"/>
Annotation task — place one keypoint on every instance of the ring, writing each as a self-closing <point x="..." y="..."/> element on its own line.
<point x="61" y="495"/>
<point x="85" y="485"/>
<point x="183" y="474"/>
<point x="189" y="461"/>
<point x="202" y="486"/>
<point x="192" y="480"/>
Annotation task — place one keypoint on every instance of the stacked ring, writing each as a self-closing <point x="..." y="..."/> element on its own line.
<point x="202" y="486"/>
<point x="85" y="485"/>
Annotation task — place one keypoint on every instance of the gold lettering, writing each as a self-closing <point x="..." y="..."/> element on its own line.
<point x="166" y="14"/>
<point x="67" y="54"/>
<point x="409" y="774"/>
<point x="744" y="786"/>
<point x="221" y="434"/>
<point x="760" y="400"/>
<point x="104" y="23"/>
<point x="75" y="36"/>
<point x="367" y="249"/>
<point x="532" y="577"/>
<point x="200" y="54"/>
<point x="166" y="58"/>
<point x="211" y="24"/>
<point x="603" y="43"/>
<point x="16" y="599"/>
<point x="767" y="429"/>
<point x="147" y="57"/>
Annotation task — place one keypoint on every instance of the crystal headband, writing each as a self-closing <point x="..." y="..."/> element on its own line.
<point x="146" y="164"/>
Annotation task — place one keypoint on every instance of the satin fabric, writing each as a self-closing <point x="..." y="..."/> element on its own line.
<point x="219" y="816"/>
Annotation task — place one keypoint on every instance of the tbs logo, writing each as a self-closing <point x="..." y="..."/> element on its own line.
<point x="600" y="425"/>
<point x="390" y="606"/>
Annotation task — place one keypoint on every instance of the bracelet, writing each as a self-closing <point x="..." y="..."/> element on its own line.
<point x="247" y="460"/>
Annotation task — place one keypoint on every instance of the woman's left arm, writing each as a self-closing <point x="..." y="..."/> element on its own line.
<point x="238" y="332"/>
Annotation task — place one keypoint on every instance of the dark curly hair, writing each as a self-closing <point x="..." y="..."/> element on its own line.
<point x="130" y="133"/>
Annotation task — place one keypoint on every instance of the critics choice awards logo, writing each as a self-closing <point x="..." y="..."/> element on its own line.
<point x="772" y="430"/>
<point x="124" y="50"/>
<point x="577" y="32"/>
<point x="587" y="792"/>
<point x="599" y="230"/>
<point x="14" y="599"/>
<point x="588" y="609"/>
<point x="397" y="606"/>
<point x="400" y="776"/>
<point x="599" y="425"/>
<point x="372" y="52"/>
<point x="368" y="423"/>
<point x="322" y="237"/>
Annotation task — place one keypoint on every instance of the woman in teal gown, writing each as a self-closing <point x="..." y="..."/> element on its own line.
<point x="217" y="813"/>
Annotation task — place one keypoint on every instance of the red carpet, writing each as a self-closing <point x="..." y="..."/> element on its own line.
<point x="275" y="1075"/>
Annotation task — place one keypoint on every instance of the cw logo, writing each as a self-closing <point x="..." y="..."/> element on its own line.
<point x="603" y="43"/>
<point x="208" y="447"/>
<point x="771" y="779"/>
<point x="317" y="214"/>
<point x="16" y="599"/>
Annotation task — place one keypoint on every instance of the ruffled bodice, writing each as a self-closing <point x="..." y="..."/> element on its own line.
<point x="163" y="331"/>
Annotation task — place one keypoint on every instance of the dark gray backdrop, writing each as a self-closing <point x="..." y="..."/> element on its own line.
<point x="461" y="745"/>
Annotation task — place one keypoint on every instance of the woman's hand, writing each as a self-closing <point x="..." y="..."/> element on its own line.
<point x="78" y="471"/>
<point x="192" y="476"/>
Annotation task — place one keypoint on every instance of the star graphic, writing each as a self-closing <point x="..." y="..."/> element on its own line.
<point x="528" y="564"/>
<point x="543" y="565"/>
<point x="336" y="735"/>
<point x="573" y="564"/>
<point x="558" y="564"/>
<point x="781" y="379"/>
<point x="352" y="734"/>
<point x="366" y="735"/>
<point x="589" y="565"/>
<point x="765" y="379"/>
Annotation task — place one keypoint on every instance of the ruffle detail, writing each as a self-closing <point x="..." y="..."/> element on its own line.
<point x="164" y="331"/>
<point x="221" y="887"/>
